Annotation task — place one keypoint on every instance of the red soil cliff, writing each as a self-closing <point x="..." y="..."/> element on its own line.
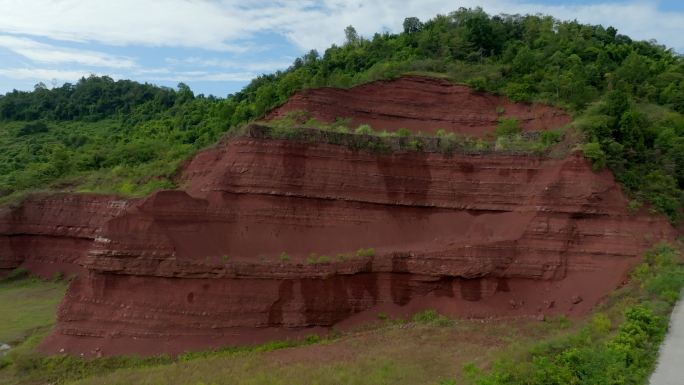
<point x="262" y="241"/>
<point x="420" y="103"/>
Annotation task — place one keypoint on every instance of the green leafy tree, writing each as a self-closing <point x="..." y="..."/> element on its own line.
<point x="412" y="25"/>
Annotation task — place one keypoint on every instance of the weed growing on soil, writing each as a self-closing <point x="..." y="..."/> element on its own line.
<point x="285" y="257"/>
<point x="365" y="253"/>
<point x="432" y="317"/>
<point x="314" y="259"/>
<point x="508" y="137"/>
<point x="30" y="367"/>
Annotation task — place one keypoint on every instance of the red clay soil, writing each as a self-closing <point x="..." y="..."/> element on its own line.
<point x="235" y="257"/>
<point x="420" y="103"/>
<point x="49" y="234"/>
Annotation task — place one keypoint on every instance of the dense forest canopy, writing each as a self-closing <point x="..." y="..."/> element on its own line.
<point x="121" y="136"/>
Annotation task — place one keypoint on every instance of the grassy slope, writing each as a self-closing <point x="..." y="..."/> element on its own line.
<point x="26" y="306"/>
<point x="405" y="353"/>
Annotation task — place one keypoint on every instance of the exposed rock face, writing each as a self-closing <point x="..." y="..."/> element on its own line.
<point x="229" y="258"/>
<point x="49" y="234"/>
<point x="420" y="103"/>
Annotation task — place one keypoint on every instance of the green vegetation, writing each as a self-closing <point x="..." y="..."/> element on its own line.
<point x="314" y="259"/>
<point x="27" y="305"/>
<point x="507" y="127"/>
<point x="601" y="353"/>
<point x="109" y="155"/>
<point x="365" y="253"/>
<point x="432" y="317"/>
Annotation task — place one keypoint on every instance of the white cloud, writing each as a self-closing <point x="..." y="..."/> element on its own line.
<point x="54" y="76"/>
<point x="50" y="54"/>
<point x="44" y="74"/>
<point x="214" y="25"/>
<point x="641" y="20"/>
<point x="257" y="66"/>
<point x="228" y="25"/>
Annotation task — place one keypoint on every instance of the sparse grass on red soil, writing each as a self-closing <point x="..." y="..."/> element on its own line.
<point x="395" y="353"/>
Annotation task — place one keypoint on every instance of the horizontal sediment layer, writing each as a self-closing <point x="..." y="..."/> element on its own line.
<point x="275" y="238"/>
<point x="420" y="103"/>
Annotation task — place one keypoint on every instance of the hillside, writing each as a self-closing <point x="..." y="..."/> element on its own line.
<point x="507" y="170"/>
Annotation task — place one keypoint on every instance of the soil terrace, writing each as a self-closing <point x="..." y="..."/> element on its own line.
<point x="262" y="240"/>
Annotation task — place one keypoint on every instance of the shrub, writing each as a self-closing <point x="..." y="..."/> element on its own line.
<point x="33" y="128"/>
<point x="312" y="339"/>
<point x="415" y="145"/>
<point x="478" y="83"/>
<point x="432" y="317"/>
<point x="364" y="253"/>
<point x="507" y="127"/>
<point x="15" y="275"/>
<point x="364" y="129"/>
<point x="403" y="132"/>
<point x="594" y="152"/>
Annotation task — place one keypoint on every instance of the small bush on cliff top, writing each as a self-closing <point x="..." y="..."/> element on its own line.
<point x="285" y="257"/>
<point x="369" y="252"/>
<point x="364" y="129"/>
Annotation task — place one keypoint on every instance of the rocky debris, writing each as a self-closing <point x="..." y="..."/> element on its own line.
<point x="576" y="299"/>
<point x="4" y="348"/>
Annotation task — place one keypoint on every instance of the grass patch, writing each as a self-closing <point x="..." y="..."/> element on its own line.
<point x="432" y="317"/>
<point x="27" y="304"/>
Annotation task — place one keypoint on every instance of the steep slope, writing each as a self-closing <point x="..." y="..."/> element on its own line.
<point x="420" y="103"/>
<point x="273" y="238"/>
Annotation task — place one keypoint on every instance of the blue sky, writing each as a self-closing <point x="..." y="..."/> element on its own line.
<point x="217" y="46"/>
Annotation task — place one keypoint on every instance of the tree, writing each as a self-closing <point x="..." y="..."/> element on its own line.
<point x="350" y="35"/>
<point x="412" y="25"/>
